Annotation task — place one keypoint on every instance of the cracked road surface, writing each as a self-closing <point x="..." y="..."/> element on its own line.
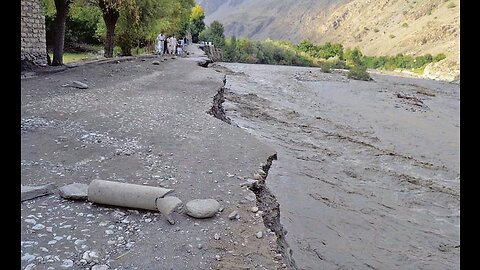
<point x="144" y="124"/>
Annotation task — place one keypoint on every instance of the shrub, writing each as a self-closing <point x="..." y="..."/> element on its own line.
<point x="359" y="72"/>
<point x="439" y="57"/>
<point x="325" y="67"/>
<point x="392" y="36"/>
<point x="451" y="5"/>
<point x="405" y="24"/>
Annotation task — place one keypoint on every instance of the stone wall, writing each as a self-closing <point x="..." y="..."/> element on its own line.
<point x="34" y="48"/>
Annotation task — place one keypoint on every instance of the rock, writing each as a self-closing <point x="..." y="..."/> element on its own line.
<point x="30" y="266"/>
<point x="30" y="192"/>
<point x="79" y="85"/>
<point x="168" y="204"/>
<point x="257" y="176"/>
<point x="202" y="208"/>
<point x="199" y="246"/>
<point x="28" y="257"/>
<point x="31" y="221"/>
<point x="216" y="236"/>
<point x="67" y="263"/>
<point x="217" y="257"/>
<point x="100" y="267"/>
<point x="38" y="227"/>
<point x="249" y="183"/>
<point x="156" y="62"/>
<point x="75" y="191"/>
<point x="254" y="209"/>
<point x="259" y="234"/>
<point x="233" y="215"/>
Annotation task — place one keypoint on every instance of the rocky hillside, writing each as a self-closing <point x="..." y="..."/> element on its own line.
<point x="377" y="27"/>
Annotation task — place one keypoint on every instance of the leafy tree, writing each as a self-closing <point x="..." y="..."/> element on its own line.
<point x="353" y="57"/>
<point x="231" y="50"/>
<point x="217" y="36"/>
<point x="111" y="13"/>
<point x="61" y="7"/>
<point x="197" y="24"/>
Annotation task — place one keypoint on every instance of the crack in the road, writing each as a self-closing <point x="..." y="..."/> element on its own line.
<point x="266" y="201"/>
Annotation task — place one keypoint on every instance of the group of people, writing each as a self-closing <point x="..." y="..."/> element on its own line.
<point x="170" y="45"/>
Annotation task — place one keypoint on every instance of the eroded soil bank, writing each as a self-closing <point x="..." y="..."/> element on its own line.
<point x="367" y="173"/>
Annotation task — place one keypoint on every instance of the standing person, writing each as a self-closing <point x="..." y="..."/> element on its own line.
<point x="165" y="44"/>
<point x="160" y="42"/>
<point x="173" y="41"/>
<point x="180" y="46"/>
<point x="169" y="45"/>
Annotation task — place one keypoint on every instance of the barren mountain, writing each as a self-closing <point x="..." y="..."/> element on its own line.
<point x="387" y="27"/>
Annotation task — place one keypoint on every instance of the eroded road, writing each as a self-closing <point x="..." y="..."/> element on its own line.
<point x="367" y="173"/>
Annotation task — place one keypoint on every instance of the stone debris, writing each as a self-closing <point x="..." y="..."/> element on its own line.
<point x="156" y="62"/>
<point x="67" y="263"/>
<point x="216" y="236"/>
<point x="32" y="192"/>
<point x="38" y="227"/>
<point x="100" y="267"/>
<point x="254" y="209"/>
<point x="30" y="266"/>
<point x="233" y="215"/>
<point x="167" y="205"/>
<point x="79" y="85"/>
<point x="249" y="183"/>
<point x="75" y="191"/>
<point x="202" y="208"/>
<point x="259" y="234"/>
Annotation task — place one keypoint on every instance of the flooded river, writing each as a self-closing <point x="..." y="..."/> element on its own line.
<point x="367" y="173"/>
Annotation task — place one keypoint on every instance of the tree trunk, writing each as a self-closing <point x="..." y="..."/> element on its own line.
<point x="59" y="37"/>
<point x="110" y="17"/>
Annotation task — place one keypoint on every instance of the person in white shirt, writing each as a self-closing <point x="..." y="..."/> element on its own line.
<point x="173" y="45"/>
<point x="160" y="40"/>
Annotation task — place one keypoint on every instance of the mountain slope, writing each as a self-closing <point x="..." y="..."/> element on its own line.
<point x="377" y="27"/>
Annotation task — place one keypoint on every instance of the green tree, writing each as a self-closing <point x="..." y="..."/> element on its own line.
<point x="61" y="7"/>
<point x="231" y="50"/>
<point x="197" y="23"/>
<point x="111" y="13"/>
<point x="217" y="35"/>
<point x="354" y="57"/>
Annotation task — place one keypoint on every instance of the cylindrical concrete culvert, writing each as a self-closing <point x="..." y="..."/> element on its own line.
<point x="125" y="195"/>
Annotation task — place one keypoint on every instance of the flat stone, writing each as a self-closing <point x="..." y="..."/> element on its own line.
<point x="156" y="62"/>
<point x="30" y="266"/>
<point x="233" y="215"/>
<point x="79" y="85"/>
<point x="32" y="192"/>
<point x="75" y="191"/>
<point x="100" y="267"/>
<point x="67" y="263"/>
<point x="249" y="183"/>
<point x="202" y="208"/>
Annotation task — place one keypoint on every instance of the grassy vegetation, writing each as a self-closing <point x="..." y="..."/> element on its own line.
<point x="327" y="57"/>
<point x="70" y="57"/>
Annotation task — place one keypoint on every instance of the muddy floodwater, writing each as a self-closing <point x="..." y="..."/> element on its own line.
<point x="367" y="172"/>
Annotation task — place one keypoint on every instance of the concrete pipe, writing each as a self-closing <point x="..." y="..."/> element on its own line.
<point x="126" y="195"/>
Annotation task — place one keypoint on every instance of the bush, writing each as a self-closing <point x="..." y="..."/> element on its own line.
<point x="325" y="67"/>
<point x="451" y="5"/>
<point x="439" y="57"/>
<point x="359" y="73"/>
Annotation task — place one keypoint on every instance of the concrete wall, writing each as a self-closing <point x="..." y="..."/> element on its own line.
<point x="34" y="48"/>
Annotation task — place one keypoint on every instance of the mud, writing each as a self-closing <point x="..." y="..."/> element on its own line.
<point x="367" y="173"/>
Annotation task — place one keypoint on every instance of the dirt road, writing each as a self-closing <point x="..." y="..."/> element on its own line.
<point x="141" y="122"/>
<point x="367" y="173"/>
